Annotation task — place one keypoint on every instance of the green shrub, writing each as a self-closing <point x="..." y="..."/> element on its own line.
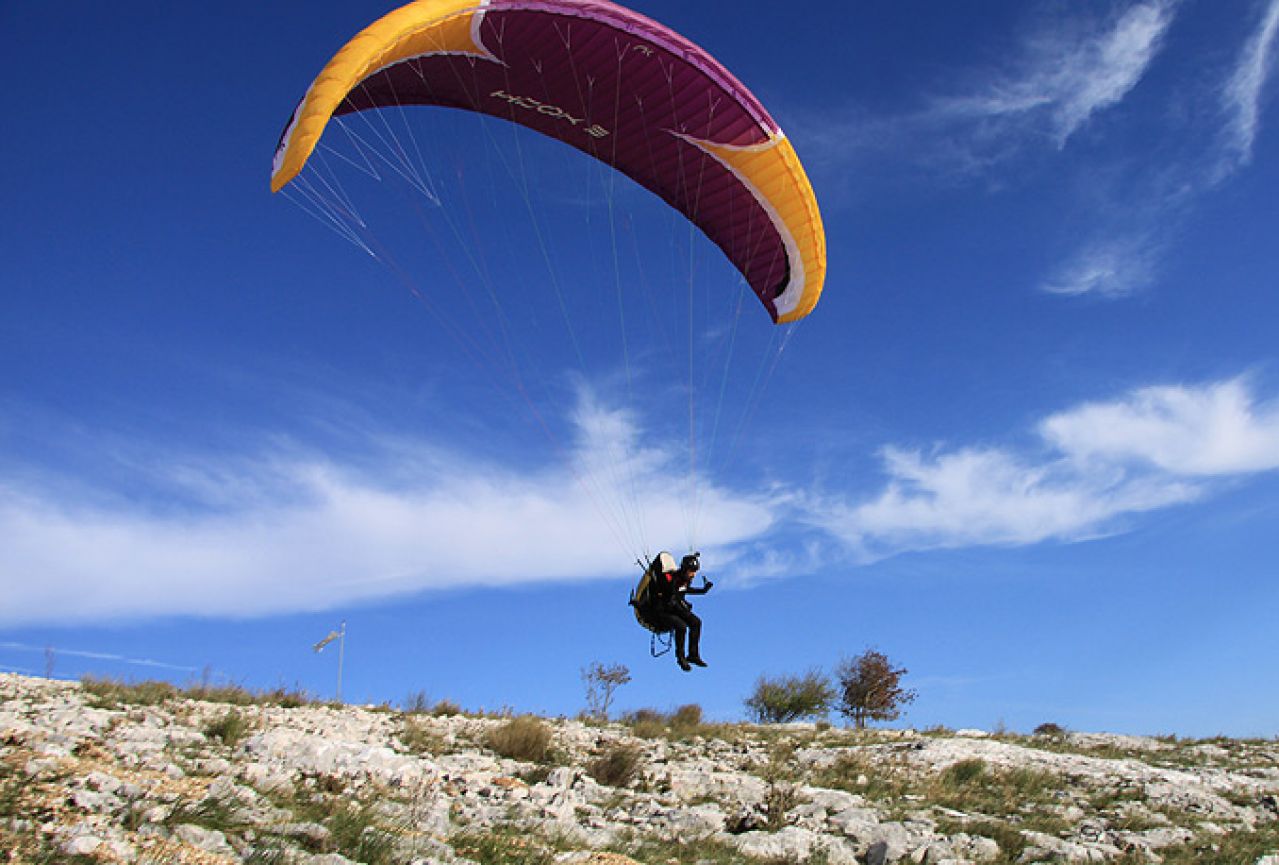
<point x="971" y="784"/>
<point x="646" y="723"/>
<point x="12" y="789"/>
<point x="857" y="771"/>
<point x="446" y="708"/>
<point x="268" y="851"/>
<point x="286" y="698"/>
<point x="687" y="717"/>
<point x="420" y="739"/>
<point x="709" y="850"/>
<point x="1050" y="730"/>
<point x="522" y="738"/>
<point x="790" y="698"/>
<point x="644" y="716"/>
<point x="964" y="772"/>
<point x="536" y="774"/>
<point x="617" y="766"/>
<point x="228" y="729"/>
<point x="110" y="693"/>
<point x="222" y="814"/>
<point x="782" y="794"/>
<point x="502" y="848"/>
<point x="113" y="692"/>
<point x="234" y="695"/>
<point x="356" y="836"/>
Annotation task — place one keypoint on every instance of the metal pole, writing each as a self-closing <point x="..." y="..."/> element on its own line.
<point x="341" y="656"/>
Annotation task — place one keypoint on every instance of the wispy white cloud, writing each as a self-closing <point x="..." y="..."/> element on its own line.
<point x="58" y="651"/>
<point x="1058" y="78"/>
<point x="294" y="531"/>
<point x="1214" y="430"/>
<point x="1242" y="95"/>
<point x="1068" y="74"/>
<point x="1123" y="255"/>
<point x="1097" y="463"/>
<point x="1065" y="76"/>
<point x="976" y="497"/>
<point x="1110" y="266"/>
<point x="1131" y="193"/>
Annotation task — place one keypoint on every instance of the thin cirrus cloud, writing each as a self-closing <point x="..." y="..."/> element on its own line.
<point x="1065" y="77"/>
<point x="1059" y="78"/>
<point x="1133" y="192"/>
<point x="1108" y="266"/>
<point x="296" y="531"/>
<point x="1123" y="256"/>
<point x="55" y="653"/>
<point x="1097" y="464"/>
<point x="1242" y="95"/>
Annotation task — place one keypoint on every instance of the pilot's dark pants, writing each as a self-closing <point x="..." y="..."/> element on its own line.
<point x="681" y="619"/>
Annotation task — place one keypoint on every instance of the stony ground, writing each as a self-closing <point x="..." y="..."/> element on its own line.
<point x="106" y="773"/>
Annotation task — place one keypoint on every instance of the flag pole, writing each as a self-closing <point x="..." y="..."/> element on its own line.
<point x="340" y="636"/>
<point x="341" y="656"/>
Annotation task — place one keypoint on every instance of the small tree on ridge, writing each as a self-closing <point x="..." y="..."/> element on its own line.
<point x="870" y="689"/>
<point x="601" y="682"/>
<point x="790" y="698"/>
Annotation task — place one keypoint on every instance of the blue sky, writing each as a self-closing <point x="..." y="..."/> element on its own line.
<point x="1026" y="445"/>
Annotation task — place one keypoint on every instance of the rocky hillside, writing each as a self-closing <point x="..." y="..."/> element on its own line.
<point x="97" y="772"/>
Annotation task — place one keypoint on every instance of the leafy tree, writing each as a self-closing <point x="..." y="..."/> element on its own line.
<point x="870" y="688"/>
<point x="790" y="698"/>
<point x="601" y="684"/>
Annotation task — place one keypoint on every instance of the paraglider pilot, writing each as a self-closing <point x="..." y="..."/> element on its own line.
<point x="672" y="611"/>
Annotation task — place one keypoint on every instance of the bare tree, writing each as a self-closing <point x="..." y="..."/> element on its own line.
<point x="870" y="688"/>
<point x="601" y="684"/>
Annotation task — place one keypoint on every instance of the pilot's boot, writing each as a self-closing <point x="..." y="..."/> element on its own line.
<point x="680" y="657"/>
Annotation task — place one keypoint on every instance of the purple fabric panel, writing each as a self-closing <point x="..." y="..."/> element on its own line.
<point x="647" y="29"/>
<point x="566" y="74"/>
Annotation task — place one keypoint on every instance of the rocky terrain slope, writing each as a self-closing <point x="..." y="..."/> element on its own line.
<point x="99" y="772"/>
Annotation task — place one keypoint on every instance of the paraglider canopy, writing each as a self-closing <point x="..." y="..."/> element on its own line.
<point x="613" y="84"/>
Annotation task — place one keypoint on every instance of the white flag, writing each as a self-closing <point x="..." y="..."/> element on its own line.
<point x="333" y="635"/>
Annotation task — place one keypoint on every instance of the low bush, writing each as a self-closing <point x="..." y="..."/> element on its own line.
<point x="421" y="739"/>
<point x="356" y="835"/>
<point x="110" y="693"/>
<point x="790" y="698"/>
<point x="782" y="793"/>
<point x="446" y="708"/>
<point x="219" y="813"/>
<point x="646" y="723"/>
<point x="503" y="848"/>
<point x="617" y="766"/>
<point x="963" y="772"/>
<point x="229" y="729"/>
<point x="686" y="718"/>
<point x="522" y="738"/>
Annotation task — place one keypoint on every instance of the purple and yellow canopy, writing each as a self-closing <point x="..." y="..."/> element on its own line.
<point x="613" y="84"/>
